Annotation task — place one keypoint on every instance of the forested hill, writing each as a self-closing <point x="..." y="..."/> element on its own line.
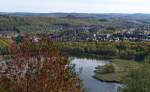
<point x="71" y="21"/>
<point x="94" y="15"/>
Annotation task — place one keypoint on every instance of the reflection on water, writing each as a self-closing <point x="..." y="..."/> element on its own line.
<point x="87" y="67"/>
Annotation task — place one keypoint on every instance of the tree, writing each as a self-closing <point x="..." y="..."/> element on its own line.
<point x="38" y="67"/>
<point x="19" y="39"/>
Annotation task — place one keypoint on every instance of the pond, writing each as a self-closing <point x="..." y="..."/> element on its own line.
<point x="85" y="68"/>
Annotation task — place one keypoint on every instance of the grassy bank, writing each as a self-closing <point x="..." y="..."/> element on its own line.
<point x="5" y="42"/>
<point x="115" y="71"/>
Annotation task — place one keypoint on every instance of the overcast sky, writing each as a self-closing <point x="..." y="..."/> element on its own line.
<point x="76" y="6"/>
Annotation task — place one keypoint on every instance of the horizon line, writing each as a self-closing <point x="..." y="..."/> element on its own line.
<point x="76" y="12"/>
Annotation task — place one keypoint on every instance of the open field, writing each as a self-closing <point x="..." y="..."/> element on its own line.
<point x="120" y="68"/>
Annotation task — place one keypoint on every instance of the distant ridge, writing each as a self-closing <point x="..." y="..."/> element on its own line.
<point x="88" y="15"/>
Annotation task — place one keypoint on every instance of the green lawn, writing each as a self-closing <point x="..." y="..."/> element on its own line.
<point x="120" y="69"/>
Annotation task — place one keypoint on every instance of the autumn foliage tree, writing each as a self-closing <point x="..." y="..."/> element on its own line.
<point x="38" y="67"/>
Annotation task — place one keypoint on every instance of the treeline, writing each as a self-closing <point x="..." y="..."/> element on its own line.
<point x="138" y="51"/>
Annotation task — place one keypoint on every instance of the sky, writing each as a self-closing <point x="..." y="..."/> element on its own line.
<point x="76" y="6"/>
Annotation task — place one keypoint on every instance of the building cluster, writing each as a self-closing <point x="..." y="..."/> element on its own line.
<point x="90" y="33"/>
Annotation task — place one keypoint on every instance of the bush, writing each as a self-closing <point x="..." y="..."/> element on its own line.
<point x="108" y="68"/>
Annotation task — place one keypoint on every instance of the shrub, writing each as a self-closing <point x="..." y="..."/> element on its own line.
<point x="109" y="68"/>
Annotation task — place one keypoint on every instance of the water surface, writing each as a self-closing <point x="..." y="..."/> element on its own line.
<point x="85" y="68"/>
